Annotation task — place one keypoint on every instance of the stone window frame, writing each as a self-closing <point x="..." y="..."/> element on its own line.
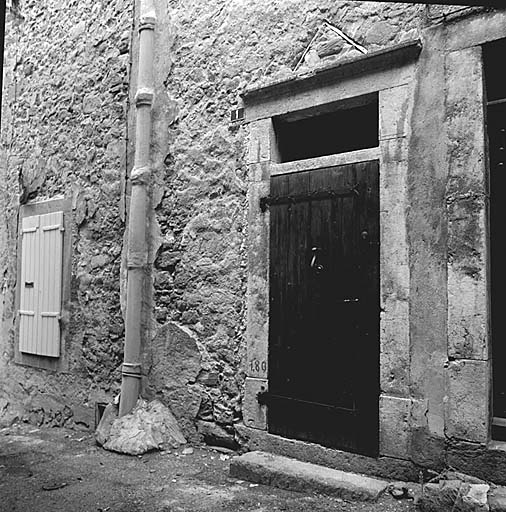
<point x="64" y="205"/>
<point x="389" y="74"/>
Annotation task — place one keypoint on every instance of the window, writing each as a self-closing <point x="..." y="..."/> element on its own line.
<point x="42" y="287"/>
<point x="41" y="278"/>
<point x="347" y="126"/>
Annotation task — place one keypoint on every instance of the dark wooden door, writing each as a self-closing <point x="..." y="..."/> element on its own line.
<point x="497" y="143"/>
<point x="324" y="307"/>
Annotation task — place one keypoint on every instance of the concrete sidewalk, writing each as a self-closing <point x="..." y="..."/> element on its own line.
<point x="58" y="470"/>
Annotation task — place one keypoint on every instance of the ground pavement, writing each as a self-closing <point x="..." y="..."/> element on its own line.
<point x="55" y="470"/>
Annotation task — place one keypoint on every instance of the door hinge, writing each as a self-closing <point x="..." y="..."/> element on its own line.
<point x="310" y="196"/>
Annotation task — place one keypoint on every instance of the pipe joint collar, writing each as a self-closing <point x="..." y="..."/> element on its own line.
<point x="131" y="370"/>
<point x="144" y="96"/>
<point x="140" y="175"/>
<point x="147" y="21"/>
<point x="137" y="259"/>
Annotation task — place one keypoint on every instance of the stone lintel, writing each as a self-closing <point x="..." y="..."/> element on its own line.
<point x="328" y="92"/>
<point x="475" y="30"/>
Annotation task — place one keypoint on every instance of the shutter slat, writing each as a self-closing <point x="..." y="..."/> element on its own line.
<point x="41" y="264"/>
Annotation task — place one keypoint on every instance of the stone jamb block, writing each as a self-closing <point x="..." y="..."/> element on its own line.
<point x="257" y="330"/>
<point x="259" y="171"/>
<point x="261" y="141"/>
<point x="468" y="325"/>
<point x="394" y="151"/>
<point x="467" y="408"/>
<point x="394" y="348"/>
<point x="257" y="295"/>
<point x="394" y="415"/>
<point x="258" y="230"/>
<point x="394" y="111"/>
<point x="254" y="414"/>
<point x="468" y="315"/>
<point x="394" y="255"/>
<point x="394" y="267"/>
<point x="465" y="124"/>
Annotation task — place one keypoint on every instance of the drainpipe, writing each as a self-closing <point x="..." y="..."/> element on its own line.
<point x="137" y="250"/>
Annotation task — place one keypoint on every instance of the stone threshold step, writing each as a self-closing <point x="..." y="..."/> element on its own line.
<point x="286" y="473"/>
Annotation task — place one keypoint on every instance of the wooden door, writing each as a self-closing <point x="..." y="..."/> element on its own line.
<point x="324" y="307"/>
<point x="497" y="143"/>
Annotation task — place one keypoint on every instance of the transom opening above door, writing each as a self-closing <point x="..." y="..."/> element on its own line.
<point x="339" y="128"/>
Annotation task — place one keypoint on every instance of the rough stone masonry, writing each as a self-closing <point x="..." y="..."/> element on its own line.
<point x="68" y="130"/>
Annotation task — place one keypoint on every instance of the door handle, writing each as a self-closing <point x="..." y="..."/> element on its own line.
<point x="314" y="260"/>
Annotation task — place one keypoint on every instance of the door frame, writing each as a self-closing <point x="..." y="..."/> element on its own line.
<point x="393" y="82"/>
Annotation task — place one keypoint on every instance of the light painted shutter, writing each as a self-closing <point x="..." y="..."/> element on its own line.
<point x="41" y="283"/>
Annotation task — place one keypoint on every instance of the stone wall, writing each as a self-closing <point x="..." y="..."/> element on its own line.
<point x="209" y="53"/>
<point x="67" y="129"/>
<point x="64" y="133"/>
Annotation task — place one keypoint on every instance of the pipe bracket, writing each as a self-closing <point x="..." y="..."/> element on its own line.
<point x="144" y="96"/>
<point x="131" y="370"/>
<point x="140" y="175"/>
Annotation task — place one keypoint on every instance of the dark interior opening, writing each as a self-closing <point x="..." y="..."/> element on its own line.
<point x="493" y="55"/>
<point x="347" y="126"/>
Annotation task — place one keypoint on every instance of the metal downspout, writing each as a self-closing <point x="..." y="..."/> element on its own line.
<point x="137" y="251"/>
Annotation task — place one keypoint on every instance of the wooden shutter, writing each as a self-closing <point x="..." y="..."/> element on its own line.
<point x="41" y="282"/>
